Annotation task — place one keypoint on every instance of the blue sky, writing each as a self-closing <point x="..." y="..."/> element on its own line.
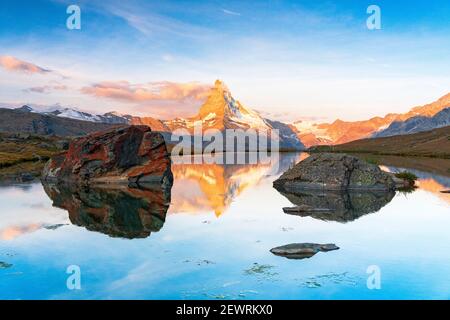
<point x="288" y="59"/>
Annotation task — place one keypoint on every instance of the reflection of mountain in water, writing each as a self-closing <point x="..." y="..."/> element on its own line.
<point x="116" y="211"/>
<point x="344" y="206"/>
<point x="212" y="187"/>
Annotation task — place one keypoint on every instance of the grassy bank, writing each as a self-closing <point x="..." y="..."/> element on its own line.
<point x="432" y="144"/>
<point x="24" y="154"/>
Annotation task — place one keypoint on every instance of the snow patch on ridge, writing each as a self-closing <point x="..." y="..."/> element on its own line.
<point x="305" y="127"/>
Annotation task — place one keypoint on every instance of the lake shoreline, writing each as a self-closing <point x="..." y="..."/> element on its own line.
<point x="325" y="149"/>
<point x="440" y="165"/>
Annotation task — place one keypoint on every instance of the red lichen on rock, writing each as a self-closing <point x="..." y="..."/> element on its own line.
<point x="131" y="154"/>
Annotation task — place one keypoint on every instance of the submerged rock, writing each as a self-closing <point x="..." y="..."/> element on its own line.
<point x="125" y="155"/>
<point x="332" y="171"/>
<point x="340" y="206"/>
<point x="118" y="211"/>
<point x="302" y="250"/>
<point x="5" y="265"/>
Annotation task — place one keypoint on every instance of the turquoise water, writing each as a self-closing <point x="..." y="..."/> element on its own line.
<point x="215" y="242"/>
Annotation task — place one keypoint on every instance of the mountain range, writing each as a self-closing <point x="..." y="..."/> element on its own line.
<point x="222" y="111"/>
<point x="23" y="121"/>
<point x="71" y="113"/>
<point x="416" y="124"/>
<point x="432" y="143"/>
<point x="340" y="131"/>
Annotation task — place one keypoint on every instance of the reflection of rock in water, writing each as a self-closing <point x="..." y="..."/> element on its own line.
<point x="117" y="211"/>
<point x="344" y="206"/>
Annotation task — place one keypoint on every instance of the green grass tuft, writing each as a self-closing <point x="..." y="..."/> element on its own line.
<point x="410" y="177"/>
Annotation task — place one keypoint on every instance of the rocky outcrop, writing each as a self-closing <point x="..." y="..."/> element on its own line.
<point x="335" y="172"/>
<point x="337" y="187"/>
<point x="302" y="250"/>
<point x="132" y="155"/>
<point x="117" y="211"/>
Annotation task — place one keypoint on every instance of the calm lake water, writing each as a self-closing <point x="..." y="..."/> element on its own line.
<point x="215" y="240"/>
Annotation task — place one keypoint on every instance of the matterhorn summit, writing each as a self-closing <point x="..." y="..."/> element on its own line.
<point x="221" y="111"/>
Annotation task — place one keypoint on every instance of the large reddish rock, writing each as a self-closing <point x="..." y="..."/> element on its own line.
<point x="131" y="155"/>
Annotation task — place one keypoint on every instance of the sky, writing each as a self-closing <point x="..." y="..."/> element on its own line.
<point x="290" y="60"/>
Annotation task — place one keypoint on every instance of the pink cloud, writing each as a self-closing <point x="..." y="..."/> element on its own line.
<point x="154" y="91"/>
<point x="13" y="64"/>
<point x="163" y="109"/>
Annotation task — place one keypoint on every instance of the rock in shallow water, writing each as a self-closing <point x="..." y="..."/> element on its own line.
<point x="125" y="155"/>
<point x="4" y="265"/>
<point x="302" y="250"/>
<point x="332" y="171"/>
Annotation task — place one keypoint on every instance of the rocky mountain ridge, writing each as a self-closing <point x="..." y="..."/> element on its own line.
<point x="222" y="111"/>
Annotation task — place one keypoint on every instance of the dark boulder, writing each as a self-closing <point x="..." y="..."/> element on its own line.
<point x="337" y="172"/>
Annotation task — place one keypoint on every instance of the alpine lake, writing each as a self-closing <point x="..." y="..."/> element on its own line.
<point x="211" y="236"/>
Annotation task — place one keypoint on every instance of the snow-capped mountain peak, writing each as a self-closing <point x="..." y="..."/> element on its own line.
<point x="75" y="114"/>
<point x="222" y="111"/>
<point x="72" y="113"/>
<point x="115" y="114"/>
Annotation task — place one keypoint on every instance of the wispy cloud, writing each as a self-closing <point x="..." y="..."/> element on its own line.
<point x="231" y="13"/>
<point x="47" y="88"/>
<point x="153" y="91"/>
<point x="11" y="63"/>
<point x="289" y="116"/>
<point x="150" y="23"/>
